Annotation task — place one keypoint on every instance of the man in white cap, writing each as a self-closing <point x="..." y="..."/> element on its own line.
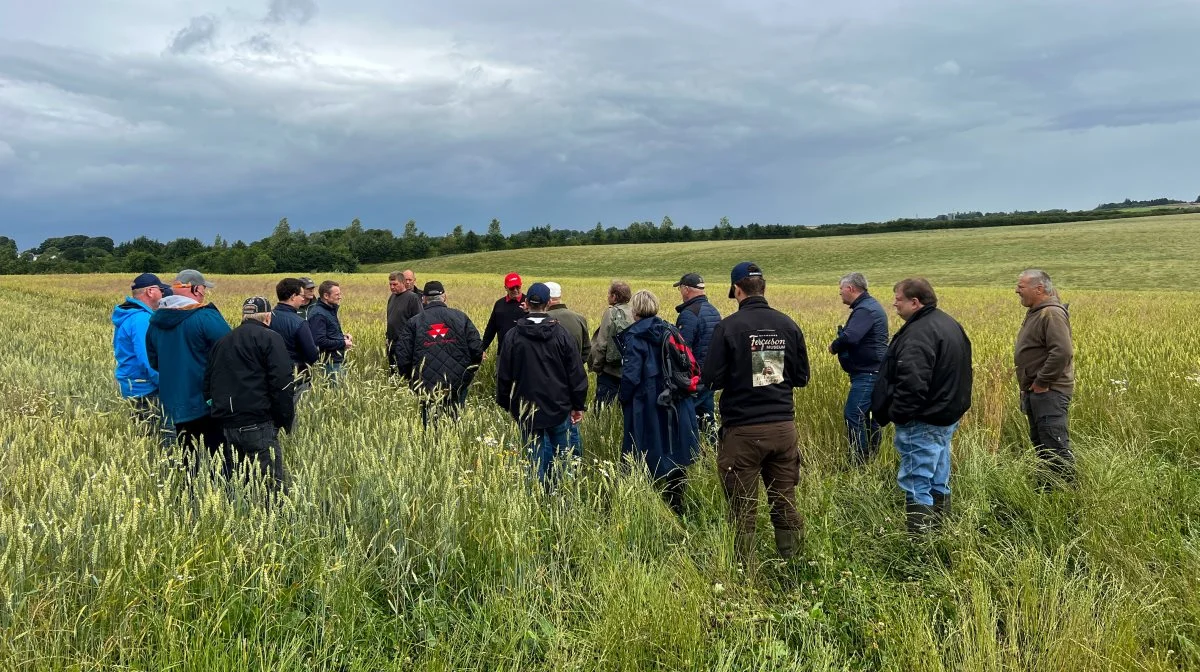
<point x="577" y="326"/>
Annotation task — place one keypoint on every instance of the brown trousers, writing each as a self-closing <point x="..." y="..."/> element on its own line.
<point x="770" y="451"/>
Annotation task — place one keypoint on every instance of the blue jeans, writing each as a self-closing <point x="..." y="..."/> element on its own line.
<point x="706" y="413"/>
<point x="607" y="389"/>
<point x="573" y="441"/>
<point x="335" y="372"/>
<point x="545" y="447"/>
<point x="862" y="431"/>
<point x="924" y="460"/>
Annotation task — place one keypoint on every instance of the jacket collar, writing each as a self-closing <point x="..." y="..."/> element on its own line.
<point x="861" y="297"/>
<point x="287" y="308"/>
<point x="925" y="310"/>
<point x="695" y="299"/>
<point x="1051" y="302"/>
<point x="753" y="302"/>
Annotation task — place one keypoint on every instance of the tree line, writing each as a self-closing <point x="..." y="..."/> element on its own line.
<point x="343" y="250"/>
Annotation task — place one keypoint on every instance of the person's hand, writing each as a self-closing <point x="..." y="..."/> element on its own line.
<point x="484" y="359"/>
<point x="831" y="349"/>
<point x="576" y="417"/>
<point x="1038" y="389"/>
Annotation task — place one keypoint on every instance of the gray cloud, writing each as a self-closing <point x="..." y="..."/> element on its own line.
<point x="534" y="111"/>
<point x="200" y="32"/>
<point x="291" y="11"/>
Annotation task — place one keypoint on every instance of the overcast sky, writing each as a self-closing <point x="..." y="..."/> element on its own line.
<point x="195" y="117"/>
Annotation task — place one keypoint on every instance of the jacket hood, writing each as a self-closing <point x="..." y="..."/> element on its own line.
<point x="537" y="326"/>
<point x="169" y="318"/>
<point x="128" y="309"/>
<point x="1048" y="303"/>
<point x="650" y="329"/>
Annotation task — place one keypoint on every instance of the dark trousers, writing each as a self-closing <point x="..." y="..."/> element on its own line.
<point x="448" y="404"/>
<point x="258" y="452"/>
<point x="706" y="414"/>
<point x="769" y="451"/>
<point x="1047" y="416"/>
<point x="607" y="389"/>
<point x="207" y="431"/>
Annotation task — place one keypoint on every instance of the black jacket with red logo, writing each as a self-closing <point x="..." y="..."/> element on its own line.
<point x="438" y="348"/>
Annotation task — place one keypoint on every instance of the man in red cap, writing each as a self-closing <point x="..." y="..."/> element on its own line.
<point x="508" y="309"/>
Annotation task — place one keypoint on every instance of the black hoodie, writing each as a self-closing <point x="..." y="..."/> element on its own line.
<point x="540" y="378"/>
<point x="249" y="378"/>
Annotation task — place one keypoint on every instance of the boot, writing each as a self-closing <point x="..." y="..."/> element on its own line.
<point x="788" y="543"/>
<point x="918" y="517"/>
<point x="941" y="507"/>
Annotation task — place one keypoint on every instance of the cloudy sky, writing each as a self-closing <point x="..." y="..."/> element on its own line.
<point x="200" y="117"/>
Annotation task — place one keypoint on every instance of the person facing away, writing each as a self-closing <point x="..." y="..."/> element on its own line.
<point x="181" y="335"/>
<point x="540" y="381"/>
<point x="248" y="380"/>
<point x="439" y="352"/>
<point x="295" y="331"/>
<point x="697" y="318"/>
<point x="1044" y="358"/>
<point x="605" y="355"/>
<point x="665" y="436"/>
<point x="505" y="313"/>
<point x="327" y="332"/>
<point x="924" y="387"/>
<point x="757" y="356"/>
<point x="577" y="326"/>
<point x="136" y="379"/>
<point x="860" y="346"/>
<point x="403" y="302"/>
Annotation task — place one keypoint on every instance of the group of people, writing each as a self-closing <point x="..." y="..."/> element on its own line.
<point x="193" y="379"/>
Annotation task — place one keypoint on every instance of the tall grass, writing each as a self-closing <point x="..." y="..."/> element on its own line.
<point x="404" y="548"/>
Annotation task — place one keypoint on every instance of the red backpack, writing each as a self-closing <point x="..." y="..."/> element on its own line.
<point x="681" y="374"/>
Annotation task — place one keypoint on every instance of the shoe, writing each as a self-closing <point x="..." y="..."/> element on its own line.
<point x="941" y="507"/>
<point x="919" y="518"/>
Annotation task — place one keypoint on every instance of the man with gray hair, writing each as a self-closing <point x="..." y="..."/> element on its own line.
<point x="860" y="347"/>
<point x="1044" y="359"/>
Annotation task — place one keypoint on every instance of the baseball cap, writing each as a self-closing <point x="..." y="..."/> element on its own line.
<point x="255" y="305"/>
<point x="433" y="288"/>
<point x="192" y="278"/>
<point x="307" y="282"/>
<point x="150" y="280"/>
<point x="512" y="280"/>
<point x="555" y="290"/>
<point x="538" y="293"/>
<point x="692" y="280"/>
<point x="746" y="269"/>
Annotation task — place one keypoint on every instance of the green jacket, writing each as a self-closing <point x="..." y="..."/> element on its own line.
<point x="1044" y="353"/>
<point x="576" y="325"/>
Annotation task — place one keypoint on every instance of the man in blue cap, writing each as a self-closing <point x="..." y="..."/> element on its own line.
<point x="757" y="357"/>
<point x="137" y="380"/>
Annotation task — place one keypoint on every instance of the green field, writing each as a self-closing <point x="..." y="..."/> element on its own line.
<point x="405" y="549"/>
<point x="1140" y="253"/>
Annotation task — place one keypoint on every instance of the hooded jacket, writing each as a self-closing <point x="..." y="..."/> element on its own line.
<point x="927" y="373"/>
<point x="438" y="348"/>
<point x="667" y="437"/>
<point x="177" y="346"/>
<point x="696" y="321"/>
<point x="134" y="375"/>
<point x="1044" y="353"/>
<point x="249" y="378"/>
<point x="540" y="378"/>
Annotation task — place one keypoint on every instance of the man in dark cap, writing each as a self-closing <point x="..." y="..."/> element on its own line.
<point x="696" y="321"/>
<point x="310" y="296"/>
<point x="438" y="351"/>
<point x="248" y="381"/>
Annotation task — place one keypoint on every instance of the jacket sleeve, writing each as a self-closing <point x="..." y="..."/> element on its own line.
<point x="206" y="385"/>
<point x="585" y="341"/>
<point x="280" y="383"/>
<point x="914" y="371"/>
<point x="305" y="346"/>
<point x="631" y="373"/>
<point x="599" y="347"/>
<point x="688" y="324"/>
<point x="474" y="344"/>
<point x="320" y="332"/>
<point x="1059" y="349"/>
<point x="798" y="371"/>
<point x="141" y="348"/>
<point x="857" y="326"/>
<point x="402" y="350"/>
<point x="504" y="379"/>
<point x="715" y="375"/>
<point x="576" y="376"/>
<point x="489" y="330"/>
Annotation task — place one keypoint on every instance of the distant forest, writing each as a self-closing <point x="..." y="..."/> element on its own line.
<point x="343" y="250"/>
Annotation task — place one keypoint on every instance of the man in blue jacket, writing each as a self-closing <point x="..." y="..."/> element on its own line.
<point x="696" y="321"/>
<point x="297" y="336"/>
<point x="860" y="346"/>
<point x="139" y="382"/>
<point x="181" y="335"/>
<point x="327" y="332"/>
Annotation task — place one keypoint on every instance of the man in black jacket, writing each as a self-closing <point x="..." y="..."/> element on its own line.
<point x="925" y="388"/>
<point x="438" y="350"/>
<point x="508" y="309"/>
<point x="860" y="346"/>
<point x="327" y="332"/>
<point x="540" y="381"/>
<point x="403" y="303"/>
<point x="757" y="356"/>
<point x="248" y="381"/>
<point x="297" y="336"/>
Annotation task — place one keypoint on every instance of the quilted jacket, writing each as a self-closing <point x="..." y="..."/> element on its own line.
<point x="438" y="348"/>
